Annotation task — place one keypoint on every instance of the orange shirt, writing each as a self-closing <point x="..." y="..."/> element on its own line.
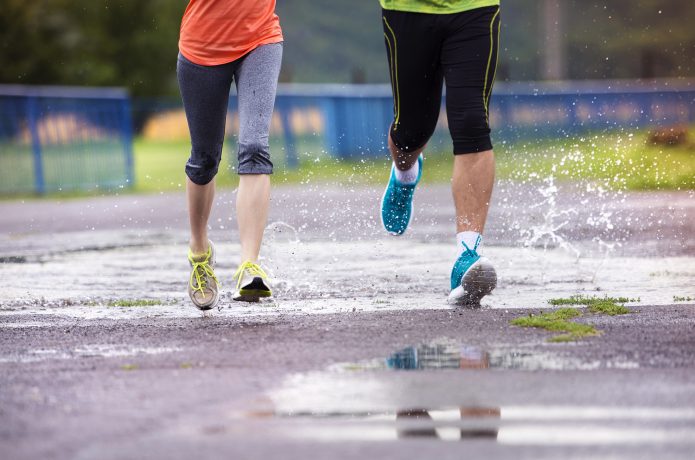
<point x="216" y="32"/>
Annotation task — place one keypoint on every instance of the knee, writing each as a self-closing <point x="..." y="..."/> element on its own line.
<point x="202" y="167"/>
<point x="409" y="139"/>
<point x="254" y="158"/>
<point x="470" y="132"/>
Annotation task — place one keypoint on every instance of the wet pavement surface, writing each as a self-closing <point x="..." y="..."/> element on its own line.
<point x="358" y="356"/>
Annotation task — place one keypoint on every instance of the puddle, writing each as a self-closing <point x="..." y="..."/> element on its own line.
<point x="445" y="354"/>
<point x="340" y="389"/>
<point x="389" y="274"/>
<point x="512" y="425"/>
<point x="84" y="351"/>
<point x="384" y="400"/>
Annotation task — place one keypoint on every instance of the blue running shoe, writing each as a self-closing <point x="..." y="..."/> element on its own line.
<point x="472" y="278"/>
<point x="397" y="203"/>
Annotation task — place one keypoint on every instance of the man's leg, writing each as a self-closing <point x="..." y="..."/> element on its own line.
<point x="469" y="57"/>
<point x="472" y="181"/>
<point x="402" y="160"/>
<point x="257" y="79"/>
<point x="412" y="47"/>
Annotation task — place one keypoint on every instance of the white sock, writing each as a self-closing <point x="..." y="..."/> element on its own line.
<point x="408" y="176"/>
<point x="470" y="238"/>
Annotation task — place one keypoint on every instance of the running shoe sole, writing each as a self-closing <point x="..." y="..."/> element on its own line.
<point x="254" y="291"/>
<point x="479" y="281"/>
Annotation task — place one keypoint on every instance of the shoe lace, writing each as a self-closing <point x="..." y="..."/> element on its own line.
<point x="472" y="252"/>
<point x="201" y="271"/>
<point x="250" y="268"/>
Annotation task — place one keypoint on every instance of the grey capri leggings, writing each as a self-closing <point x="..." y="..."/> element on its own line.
<point x="205" y="94"/>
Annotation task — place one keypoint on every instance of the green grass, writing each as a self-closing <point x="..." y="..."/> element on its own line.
<point x="678" y="298"/>
<point x="606" y="307"/>
<point x="159" y="166"/>
<point x="601" y="305"/>
<point x="609" y="161"/>
<point x="619" y="161"/>
<point x="586" y="300"/>
<point x="68" y="169"/>
<point x="134" y="303"/>
<point x="615" y="161"/>
<point x="557" y="321"/>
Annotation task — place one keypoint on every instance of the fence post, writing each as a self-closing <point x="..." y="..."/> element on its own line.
<point x="127" y="130"/>
<point x="290" y="144"/>
<point x="32" y="120"/>
<point x="332" y="138"/>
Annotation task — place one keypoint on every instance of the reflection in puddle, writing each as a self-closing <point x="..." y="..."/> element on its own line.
<point x="507" y="425"/>
<point x="84" y="351"/>
<point x="442" y="354"/>
<point x="450" y="354"/>
<point x="367" y="402"/>
<point x="424" y="424"/>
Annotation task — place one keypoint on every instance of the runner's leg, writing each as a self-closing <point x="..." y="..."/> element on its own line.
<point x="412" y="46"/>
<point x="469" y="59"/>
<point x="205" y="93"/>
<point x="256" y="79"/>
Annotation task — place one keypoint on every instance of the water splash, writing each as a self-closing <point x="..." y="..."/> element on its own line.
<point x="282" y="258"/>
<point x="547" y="233"/>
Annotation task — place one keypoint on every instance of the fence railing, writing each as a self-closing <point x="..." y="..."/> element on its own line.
<point x="355" y="118"/>
<point x="57" y="138"/>
<point x="64" y="138"/>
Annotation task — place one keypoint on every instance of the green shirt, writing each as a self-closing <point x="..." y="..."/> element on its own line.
<point x="436" y="6"/>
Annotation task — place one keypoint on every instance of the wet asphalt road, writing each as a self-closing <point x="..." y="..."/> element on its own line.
<point x="309" y="376"/>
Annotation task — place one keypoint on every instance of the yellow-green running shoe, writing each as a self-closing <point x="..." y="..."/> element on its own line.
<point x="252" y="283"/>
<point x="203" y="287"/>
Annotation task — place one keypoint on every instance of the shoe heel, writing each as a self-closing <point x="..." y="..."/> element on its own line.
<point x="478" y="282"/>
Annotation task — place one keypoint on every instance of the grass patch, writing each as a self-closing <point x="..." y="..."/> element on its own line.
<point x="618" y="160"/>
<point x="159" y="166"/>
<point x="601" y="305"/>
<point x="134" y="303"/>
<point x="677" y="298"/>
<point x="614" y="161"/>
<point x="557" y="321"/>
<point x="607" y="307"/>
<point x="129" y="367"/>
<point x="588" y="301"/>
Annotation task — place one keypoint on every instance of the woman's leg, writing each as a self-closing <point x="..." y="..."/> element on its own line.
<point x="256" y="80"/>
<point x="205" y="94"/>
<point x="200" y="198"/>
<point x="252" y="200"/>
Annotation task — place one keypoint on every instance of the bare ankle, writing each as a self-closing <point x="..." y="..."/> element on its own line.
<point x="199" y="247"/>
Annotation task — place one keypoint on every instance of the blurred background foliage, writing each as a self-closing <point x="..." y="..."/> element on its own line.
<point x="133" y="43"/>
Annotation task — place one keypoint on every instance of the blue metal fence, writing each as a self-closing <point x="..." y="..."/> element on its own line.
<point x="61" y="138"/>
<point x="80" y="138"/>
<point x="356" y="117"/>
